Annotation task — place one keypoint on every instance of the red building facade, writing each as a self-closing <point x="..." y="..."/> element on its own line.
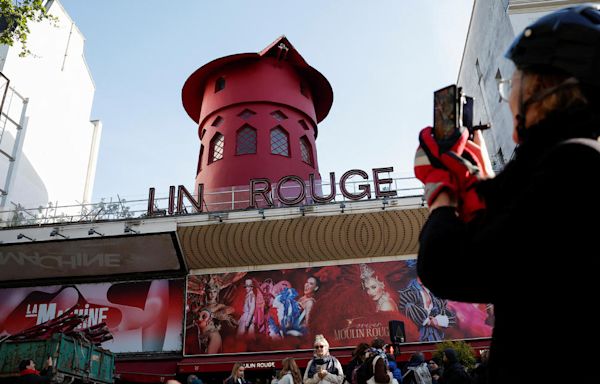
<point x="257" y="116"/>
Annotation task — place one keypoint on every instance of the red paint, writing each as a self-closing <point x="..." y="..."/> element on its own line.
<point x="272" y="81"/>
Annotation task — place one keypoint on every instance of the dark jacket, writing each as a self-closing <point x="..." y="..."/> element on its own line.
<point x="534" y="253"/>
<point x="231" y="380"/>
<point x="43" y="377"/>
<point x="454" y="371"/>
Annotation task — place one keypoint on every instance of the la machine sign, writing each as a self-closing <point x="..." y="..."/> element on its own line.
<point x="263" y="188"/>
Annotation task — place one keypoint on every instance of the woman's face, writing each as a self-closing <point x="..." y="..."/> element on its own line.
<point x="321" y="349"/>
<point x="310" y="286"/>
<point x="374" y="289"/>
<point x="212" y="294"/>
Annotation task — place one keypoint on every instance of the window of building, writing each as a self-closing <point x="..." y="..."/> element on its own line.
<point x="303" y="90"/>
<point x="217" y="121"/>
<point x="219" y="84"/>
<point x="199" y="168"/>
<point x="280" y="142"/>
<point x="246" y="141"/>
<point x="498" y="78"/>
<point x="303" y="125"/>
<point x="217" y="145"/>
<point x="246" y="114"/>
<point x="203" y="133"/>
<point x="278" y="115"/>
<point x="305" y="150"/>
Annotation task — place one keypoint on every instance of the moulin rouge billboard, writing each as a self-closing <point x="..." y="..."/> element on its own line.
<point x="142" y="316"/>
<point x="283" y="309"/>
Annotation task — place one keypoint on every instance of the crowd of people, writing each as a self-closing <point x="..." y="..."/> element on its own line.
<point x="373" y="363"/>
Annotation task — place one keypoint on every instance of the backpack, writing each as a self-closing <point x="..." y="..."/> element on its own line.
<point x="363" y="372"/>
<point x="419" y="375"/>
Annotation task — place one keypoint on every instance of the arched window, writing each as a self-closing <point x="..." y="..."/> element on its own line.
<point x="246" y="140"/>
<point x="280" y="144"/>
<point x="306" y="151"/>
<point x="216" y="147"/>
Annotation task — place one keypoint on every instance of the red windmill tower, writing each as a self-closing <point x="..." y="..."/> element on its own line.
<point x="257" y="116"/>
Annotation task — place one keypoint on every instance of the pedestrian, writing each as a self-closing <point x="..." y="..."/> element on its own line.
<point x="454" y="371"/>
<point x="488" y="241"/>
<point x="416" y="370"/>
<point x="359" y="355"/>
<point x="378" y="363"/>
<point x="436" y="369"/>
<point x="237" y="375"/>
<point x="392" y="364"/>
<point x="290" y="373"/>
<point x="323" y="368"/>
<point x="29" y="375"/>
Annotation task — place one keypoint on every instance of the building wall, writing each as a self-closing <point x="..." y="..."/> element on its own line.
<point x="262" y="88"/>
<point x="489" y="35"/>
<point x="61" y="143"/>
<point x="494" y="25"/>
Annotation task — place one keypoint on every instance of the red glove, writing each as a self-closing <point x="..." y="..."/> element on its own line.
<point x="466" y="176"/>
<point x="435" y="179"/>
<point x="464" y="173"/>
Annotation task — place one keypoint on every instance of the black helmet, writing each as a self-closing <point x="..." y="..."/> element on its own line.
<point x="567" y="40"/>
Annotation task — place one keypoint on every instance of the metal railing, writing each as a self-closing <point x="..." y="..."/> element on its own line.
<point x="222" y="200"/>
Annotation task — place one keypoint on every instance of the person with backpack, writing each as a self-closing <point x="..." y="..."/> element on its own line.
<point x="323" y="368"/>
<point x="374" y="370"/>
<point x="359" y="355"/>
<point x="416" y="370"/>
<point x="486" y="240"/>
<point x="392" y="364"/>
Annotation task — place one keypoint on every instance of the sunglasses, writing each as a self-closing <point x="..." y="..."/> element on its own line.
<point x="319" y="346"/>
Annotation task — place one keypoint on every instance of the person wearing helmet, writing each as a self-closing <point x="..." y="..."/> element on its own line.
<point x="526" y="240"/>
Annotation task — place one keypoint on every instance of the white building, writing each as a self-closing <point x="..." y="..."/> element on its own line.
<point x="49" y="146"/>
<point x="494" y="25"/>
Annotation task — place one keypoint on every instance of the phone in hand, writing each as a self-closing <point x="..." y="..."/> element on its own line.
<point x="446" y="110"/>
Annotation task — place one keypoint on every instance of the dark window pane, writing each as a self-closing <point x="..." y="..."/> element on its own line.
<point x="219" y="84"/>
<point x="217" y="122"/>
<point x="279" y="116"/>
<point x="305" y="150"/>
<point x="216" y="147"/>
<point x="279" y="142"/>
<point x="246" y="141"/>
<point x="246" y="114"/>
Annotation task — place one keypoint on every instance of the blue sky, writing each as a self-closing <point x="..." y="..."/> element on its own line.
<point x="383" y="59"/>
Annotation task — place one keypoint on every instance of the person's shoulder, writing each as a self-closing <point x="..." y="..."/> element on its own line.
<point x="574" y="150"/>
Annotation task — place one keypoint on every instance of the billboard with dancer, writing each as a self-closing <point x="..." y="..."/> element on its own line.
<point x="142" y="316"/>
<point x="248" y="311"/>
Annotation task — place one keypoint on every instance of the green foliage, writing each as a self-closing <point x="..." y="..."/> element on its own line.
<point x="14" y="16"/>
<point x="465" y="354"/>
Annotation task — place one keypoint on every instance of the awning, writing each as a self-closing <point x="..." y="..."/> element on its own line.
<point x="146" y="371"/>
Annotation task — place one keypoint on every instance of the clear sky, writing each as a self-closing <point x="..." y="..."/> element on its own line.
<point x="383" y="58"/>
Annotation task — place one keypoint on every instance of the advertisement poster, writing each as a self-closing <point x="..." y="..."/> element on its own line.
<point x="142" y="316"/>
<point x="349" y="304"/>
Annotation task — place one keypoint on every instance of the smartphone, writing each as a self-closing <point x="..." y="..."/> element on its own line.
<point x="445" y="112"/>
<point x="467" y="113"/>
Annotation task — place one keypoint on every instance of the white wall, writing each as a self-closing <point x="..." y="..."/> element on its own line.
<point x="61" y="143"/>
